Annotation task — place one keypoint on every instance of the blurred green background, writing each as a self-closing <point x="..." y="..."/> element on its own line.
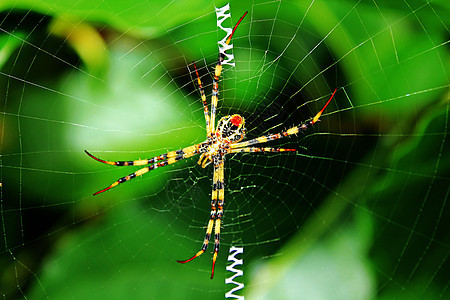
<point x="360" y="212"/>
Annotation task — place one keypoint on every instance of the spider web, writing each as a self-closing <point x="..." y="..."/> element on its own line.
<point x="359" y="212"/>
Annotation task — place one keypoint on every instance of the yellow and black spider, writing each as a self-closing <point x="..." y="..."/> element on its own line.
<point x="221" y="140"/>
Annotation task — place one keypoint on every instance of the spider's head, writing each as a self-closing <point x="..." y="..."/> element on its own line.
<point x="230" y="129"/>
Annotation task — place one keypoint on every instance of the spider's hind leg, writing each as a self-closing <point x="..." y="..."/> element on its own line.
<point x="207" y="235"/>
<point x="215" y="215"/>
<point x="221" y="196"/>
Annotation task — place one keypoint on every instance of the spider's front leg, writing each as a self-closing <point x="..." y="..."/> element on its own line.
<point x="271" y="137"/>
<point x="215" y="219"/>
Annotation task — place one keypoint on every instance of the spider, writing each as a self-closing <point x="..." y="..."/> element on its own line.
<point x="225" y="138"/>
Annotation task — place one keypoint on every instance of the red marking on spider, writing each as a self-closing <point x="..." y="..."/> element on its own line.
<point x="316" y="118"/>
<point x="235" y="27"/>
<point x="104" y="190"/>
<point x="236" y="120"/>
<point x="100" y="160"/>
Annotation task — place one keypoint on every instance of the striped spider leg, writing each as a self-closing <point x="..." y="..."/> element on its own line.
<point x="205" y="105"/>
<point x="155" y="162"/>
<point x="243" y="146"/>
<point x="217" y="198"/>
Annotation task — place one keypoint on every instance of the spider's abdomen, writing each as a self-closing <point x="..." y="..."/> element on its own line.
<point x="230" y="129"/>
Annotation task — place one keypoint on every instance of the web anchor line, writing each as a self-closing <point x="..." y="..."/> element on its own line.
<point x="231" y="268"/>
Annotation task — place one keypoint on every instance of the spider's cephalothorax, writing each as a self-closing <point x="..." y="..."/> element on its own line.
<point x="230" y="129"/>
<point x="225" y="138"/>
<point x="211" y="152"/>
